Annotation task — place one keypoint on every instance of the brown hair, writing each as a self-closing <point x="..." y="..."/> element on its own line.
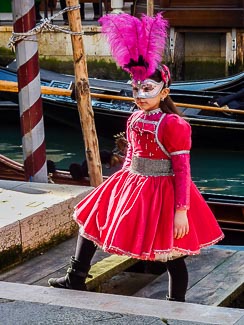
<point x="167" y="106"/>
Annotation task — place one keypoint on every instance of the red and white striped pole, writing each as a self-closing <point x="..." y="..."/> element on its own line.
<point x="30" y="102"/>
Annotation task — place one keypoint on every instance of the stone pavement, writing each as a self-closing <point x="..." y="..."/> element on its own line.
<point x="28" y="304"/>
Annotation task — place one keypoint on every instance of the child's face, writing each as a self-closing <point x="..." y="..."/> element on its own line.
<point x="149" y="104"/>
<point x="146" y="89"/>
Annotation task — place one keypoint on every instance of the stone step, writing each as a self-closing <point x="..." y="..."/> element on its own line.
<point x="121" y="309"/>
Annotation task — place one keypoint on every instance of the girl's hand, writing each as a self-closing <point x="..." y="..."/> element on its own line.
<point x="181" y="225"/>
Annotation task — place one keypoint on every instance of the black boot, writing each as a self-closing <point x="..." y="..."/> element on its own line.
<point x="74" y="279"/>
<point x="180" y="299"/>
<point x="178" y="279"/>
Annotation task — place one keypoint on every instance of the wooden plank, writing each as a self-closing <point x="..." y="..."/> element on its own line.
<point x="205" y="18"/>
<point x="54" y="263"/>
<point x="126" y="283"/>
<point x="199" y="267"/>
<point x="51" y="263"/>
<point x="104" y="267"/>
<point x="107" y="268"/>
<point x="222" y="285"/>
<point x="205" y="3"/>
<point x="199" y="13"/>
<point x="202" y="265"/>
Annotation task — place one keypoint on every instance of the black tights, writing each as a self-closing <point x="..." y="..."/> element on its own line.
<point x="177" y="271"/>
<point x="178" y="278"/>
<point x="85" y="250"/>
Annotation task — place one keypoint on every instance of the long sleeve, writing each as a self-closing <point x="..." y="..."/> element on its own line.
<point x="181" y="169"/>
<point x="177" y="141"/>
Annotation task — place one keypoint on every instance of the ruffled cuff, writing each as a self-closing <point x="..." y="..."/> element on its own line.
<point x="128" y="157"/>
<point x="181" y="169"/>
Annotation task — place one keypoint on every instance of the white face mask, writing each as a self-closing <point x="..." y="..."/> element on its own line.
<point x="146" y="89"/>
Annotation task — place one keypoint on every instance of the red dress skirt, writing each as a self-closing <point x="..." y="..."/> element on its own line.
<point x="132" y="213"/>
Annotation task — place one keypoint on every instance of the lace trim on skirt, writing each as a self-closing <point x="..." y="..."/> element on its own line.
<point x="158" y="255"/>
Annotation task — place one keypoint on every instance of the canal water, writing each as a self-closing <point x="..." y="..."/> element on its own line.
<point x="214" y="170"/>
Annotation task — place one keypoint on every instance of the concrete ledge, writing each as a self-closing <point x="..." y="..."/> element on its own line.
<point x="164" y="310"/>
<point x="34" y="213"/>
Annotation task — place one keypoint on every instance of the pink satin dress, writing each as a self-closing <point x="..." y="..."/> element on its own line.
<point x="132" y="213"/>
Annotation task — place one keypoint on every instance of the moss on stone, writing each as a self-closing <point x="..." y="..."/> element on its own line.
<point x="6" y="56"/>
<point x="235" y="68"/>
<point x="54" y="241"/>
<point x="10" y="257"/>
<point x="15" y="255"/>
<point x="100" y="69"/>
<point x="196" y="70"/>
<point x="103" y="69"/>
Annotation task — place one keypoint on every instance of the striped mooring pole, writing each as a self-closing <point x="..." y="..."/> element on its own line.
<point x="30" y="102"/>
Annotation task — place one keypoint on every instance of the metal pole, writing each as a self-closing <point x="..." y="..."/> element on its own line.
<point x="30" y="103"/>
<point x="150" y="7"/>
<point x="83" y="98"/>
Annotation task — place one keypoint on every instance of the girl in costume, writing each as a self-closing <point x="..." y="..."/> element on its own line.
<point x="150" y="209"/>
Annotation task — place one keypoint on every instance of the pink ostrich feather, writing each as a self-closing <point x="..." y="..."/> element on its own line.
<point x="122" y="32"/>
<point x="136" y="44"/>
<point x="155" y="34"/>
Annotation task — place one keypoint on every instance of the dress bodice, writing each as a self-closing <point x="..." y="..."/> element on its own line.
<point x="144" y="135"/>
<point x="162" y="137"/>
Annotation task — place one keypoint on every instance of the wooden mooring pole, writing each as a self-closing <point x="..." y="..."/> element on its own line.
<point x="83" y="97"/>
<point x="150" y="7"/>
<point x="30" y="102"/>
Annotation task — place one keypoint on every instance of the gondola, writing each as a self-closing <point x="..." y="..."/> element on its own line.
<point x="15" y="171"/>
<point x="227" y="84"/>
<point x="228" y="209"/>
<point x="209" y="127"/>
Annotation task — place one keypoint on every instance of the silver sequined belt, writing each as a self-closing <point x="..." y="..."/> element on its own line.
<point x="151" y="167"/>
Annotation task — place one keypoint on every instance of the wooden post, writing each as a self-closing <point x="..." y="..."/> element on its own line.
<point x="150" y="7"/>
<point x="240" y="48"/>
<point x="83" y="97"/>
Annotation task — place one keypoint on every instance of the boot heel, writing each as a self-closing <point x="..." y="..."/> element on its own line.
<point x="180" y="299"/>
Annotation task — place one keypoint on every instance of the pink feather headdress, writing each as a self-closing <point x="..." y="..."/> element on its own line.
<point x="136" y="44"/>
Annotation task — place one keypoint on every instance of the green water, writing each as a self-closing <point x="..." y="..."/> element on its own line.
<point x="64" y="145"/>
<point x="218" y="171"/>
<point x="213" y="170"/>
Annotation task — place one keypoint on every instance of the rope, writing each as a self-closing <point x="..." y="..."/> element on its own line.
<point x="45" y="25"/>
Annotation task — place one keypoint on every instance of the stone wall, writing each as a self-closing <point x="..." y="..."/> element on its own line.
<point x="199" y="49"/>
<point x="35" y="215"/>
<point x="58" y="45"/>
